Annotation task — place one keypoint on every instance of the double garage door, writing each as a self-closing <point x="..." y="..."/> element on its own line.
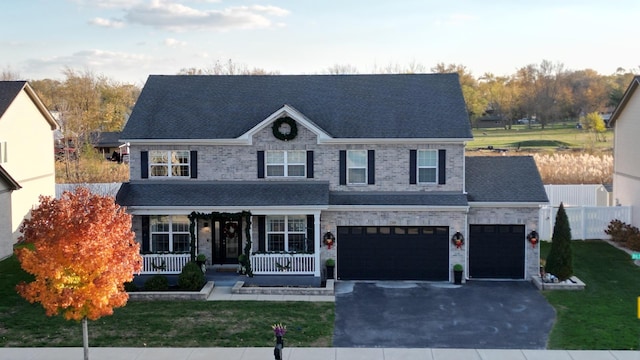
<point x="393" y="253"/>
<point x="422" y="252"/>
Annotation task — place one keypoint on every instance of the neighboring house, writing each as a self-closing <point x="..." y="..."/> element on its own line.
<point x="107" y="143"/>
<point x="26" y="159"/>
<point x="626" y="173"/>
<point x="292" y="170"/>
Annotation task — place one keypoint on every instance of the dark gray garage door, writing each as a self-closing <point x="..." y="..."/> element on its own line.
<point x="496" y="251"/>
<point x="393" y="253"/>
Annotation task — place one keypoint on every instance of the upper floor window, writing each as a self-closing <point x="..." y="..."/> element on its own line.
<point x="286" y="163"/>
<point x="427" y="166"/>
<point x="3" y="152"/>
<point x="169" y="163"/>
<point x="286" y="233"/>
<point x="170" y="234"/>
<point x="356" y="166"/>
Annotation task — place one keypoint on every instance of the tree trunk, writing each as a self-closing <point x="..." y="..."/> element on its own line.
<point x="85" y="338"/>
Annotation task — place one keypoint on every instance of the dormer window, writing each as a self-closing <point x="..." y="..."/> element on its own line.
<point x="169" y="163"/>
<point x="290" y="163"/>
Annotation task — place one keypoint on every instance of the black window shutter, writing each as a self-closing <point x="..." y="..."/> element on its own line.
<point x="260" y="164"/>
<point x="310" y="233"/>
<point x="144" y="164"/>
<point x="442" y="166"/>
<point x="262" y="233"/>
<point x="145" y="234"/>
<point x="194" y="164"/>
<point x="371" y="167"/>
<point x="310" y="164"/>
<point x="413" y="165"/>
<point x="343" y="167"/>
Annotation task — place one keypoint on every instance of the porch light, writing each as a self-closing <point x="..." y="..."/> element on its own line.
<point x="205" y="227"/>
<point x="457" y="239"/>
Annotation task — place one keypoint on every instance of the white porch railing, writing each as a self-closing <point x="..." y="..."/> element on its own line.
<point x="277" y="264"/>
<point x="586" y="222"/>
<point x="164" y="263"/>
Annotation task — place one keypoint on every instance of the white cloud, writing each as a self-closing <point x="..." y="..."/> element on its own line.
<point x="106" y="23"/>
<point x="109" y="3"/>
<point x="170" y="42"/>
<point x="178" y="17"/>
<point x="456" y="19"/>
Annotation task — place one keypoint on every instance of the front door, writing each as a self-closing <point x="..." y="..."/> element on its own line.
<point x="227" y="242"/>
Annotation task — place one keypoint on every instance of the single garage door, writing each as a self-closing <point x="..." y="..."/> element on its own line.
<point x="496" y="251"/>
<point x="393" y="253"/>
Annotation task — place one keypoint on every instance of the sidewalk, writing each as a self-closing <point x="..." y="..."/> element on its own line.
<point x="308" y="354"/>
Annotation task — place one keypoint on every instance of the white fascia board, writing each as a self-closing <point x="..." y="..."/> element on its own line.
<point x="255" y="210"/>
<point x="397" y="208"/>
<point x="506" y="204"/>
<point x="164" y="142"/>
<point x="391" y="141"/>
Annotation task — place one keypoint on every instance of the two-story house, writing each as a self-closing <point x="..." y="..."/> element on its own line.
<point x="369" y="170"/>
<point x="26" y="157"/>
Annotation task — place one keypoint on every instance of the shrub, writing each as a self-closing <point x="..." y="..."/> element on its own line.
<point x="130" y="286"/>
<point x="624" y="234"/>
<point x="157" y="283"/>
<point x="560" y="258"/>
<point x="191" y="278"/>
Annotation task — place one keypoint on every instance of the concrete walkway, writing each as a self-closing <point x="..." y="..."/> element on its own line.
<point x="308" y="354"/>
<point x="223" y="293"/>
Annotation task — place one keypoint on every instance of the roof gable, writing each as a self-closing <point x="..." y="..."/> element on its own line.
<point x="9" y="90"/>
<point x="342" y="106"/>
<point x="508" y="179"/>
<point x="625" y="99"/>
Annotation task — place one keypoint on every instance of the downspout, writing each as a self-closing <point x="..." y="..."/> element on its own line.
<point x="316" y="245"/>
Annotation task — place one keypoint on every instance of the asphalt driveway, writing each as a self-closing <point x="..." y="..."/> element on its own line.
<point x="478" y="314"/>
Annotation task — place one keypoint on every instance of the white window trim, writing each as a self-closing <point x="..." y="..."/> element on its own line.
<point x="418" y="167"/>
<point x="286" y="231"/>
<point x="169" y="164"/>
<point x="365" y="167"/>
<point x="170" y="233"/>
<point x="286" y="163"/>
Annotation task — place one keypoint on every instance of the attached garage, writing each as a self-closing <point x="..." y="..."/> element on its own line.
<point x="393" y="253"/>
<point x="497" y="251"/>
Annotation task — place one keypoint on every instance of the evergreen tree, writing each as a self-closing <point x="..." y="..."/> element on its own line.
<point x="559" y="260"/>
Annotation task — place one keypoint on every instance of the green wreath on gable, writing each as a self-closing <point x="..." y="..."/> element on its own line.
<point x="282" y="136"/>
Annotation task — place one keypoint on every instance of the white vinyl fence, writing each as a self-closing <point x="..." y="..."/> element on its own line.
<point x="578" y="195"/>
<point x="586" y="222"/>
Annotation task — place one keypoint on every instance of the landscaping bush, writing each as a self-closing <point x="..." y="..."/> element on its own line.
<point x="560" y="259"/>
<point x="191" y="278"/>
<point x="157" y="283"/>
<point x="130" y="286"/>
<point x="624" y="234"/>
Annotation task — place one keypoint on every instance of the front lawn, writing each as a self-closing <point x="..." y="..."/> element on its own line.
<point x="604" y="315"/>
<point x="164" y="323"/>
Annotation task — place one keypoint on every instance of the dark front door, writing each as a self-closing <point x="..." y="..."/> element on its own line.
<point x="227" y="242"/>
<point x="496" y="251"/>
<point x="393" y="253"/>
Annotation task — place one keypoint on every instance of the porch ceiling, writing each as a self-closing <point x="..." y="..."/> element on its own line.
<point x="218" y="193"/>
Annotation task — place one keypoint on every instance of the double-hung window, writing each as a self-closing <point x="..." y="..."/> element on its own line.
<point x="170" y="234"/>
<point x="286" y="233"/>
<point x="290" y="163"/>
<point x="169" y="163"/>
<point x="356" y="166"/>
<point x="427" y="166"/>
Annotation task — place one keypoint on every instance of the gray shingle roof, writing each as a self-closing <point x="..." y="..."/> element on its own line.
<point x="345" y="106"/>
<point x="8" y="92"/>
<point x="216" y="193"/>
<point x="407" y="198"/>
<point x="503" y="179"/>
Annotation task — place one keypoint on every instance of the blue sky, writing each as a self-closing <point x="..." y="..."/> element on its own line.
<point x="127" y="40"/>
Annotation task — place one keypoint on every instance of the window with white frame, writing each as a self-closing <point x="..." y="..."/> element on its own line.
<point x="287" y="233"/>
<point x="427" y="166"/>
<point x="170" y="234"/>
<point x="286" y="163"/>
<point x="356" y="166"/>
<point x="169" y="163"/>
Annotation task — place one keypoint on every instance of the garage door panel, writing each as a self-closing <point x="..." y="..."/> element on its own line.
<point x="393" y="253"/>
<point x="496" y="251"/>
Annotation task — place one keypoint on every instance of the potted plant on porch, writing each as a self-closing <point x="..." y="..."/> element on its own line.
<point x="457" y="274"/>
<point x="331" y="264"/>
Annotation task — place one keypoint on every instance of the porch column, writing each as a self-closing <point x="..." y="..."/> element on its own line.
<point x="316" y="245"/>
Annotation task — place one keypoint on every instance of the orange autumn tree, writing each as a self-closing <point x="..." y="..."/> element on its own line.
<point x="81" y="251"/>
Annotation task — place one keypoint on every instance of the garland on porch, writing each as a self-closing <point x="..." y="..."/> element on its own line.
<point x="285" y="136"/>
<point x="218" y="216"/>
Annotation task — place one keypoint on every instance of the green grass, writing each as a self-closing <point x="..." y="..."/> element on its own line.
<point x="552" y="137"/>
<point x="163" y="323"/>
<point x="604" y="315"/>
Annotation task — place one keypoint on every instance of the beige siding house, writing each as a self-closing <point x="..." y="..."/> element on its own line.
<point x="26" y="157"/>
<point x="626" y="166"/>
